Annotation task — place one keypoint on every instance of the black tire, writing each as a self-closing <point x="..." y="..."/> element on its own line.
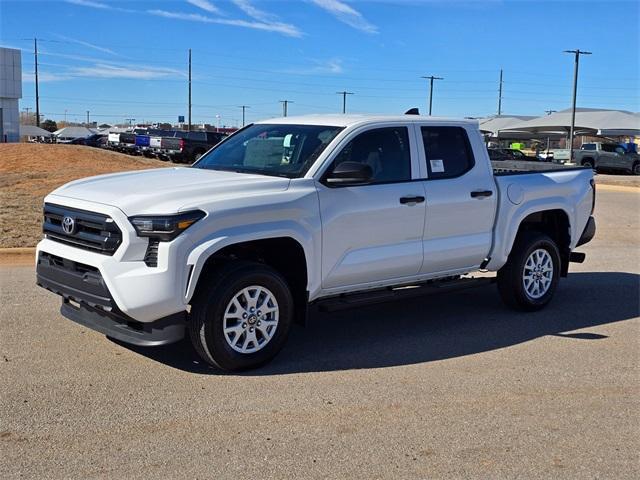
<point x="208" y="308"/>
<point x="636" y="168"/>
<point x="197" y="156"/>
<point x="589" y="163"/>
<point x="510" y="276"/>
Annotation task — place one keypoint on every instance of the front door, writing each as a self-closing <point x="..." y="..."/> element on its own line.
<point x="373" y="233"/>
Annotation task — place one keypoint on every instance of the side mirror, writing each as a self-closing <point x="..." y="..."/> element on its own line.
<point x="350" y="173"/>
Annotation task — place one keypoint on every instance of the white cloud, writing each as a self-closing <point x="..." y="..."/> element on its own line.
<point x="346" y="14"/>
<point x="278" y="27"/>
<point x="87" y="44"/>
<point x="43" y="77"/>
<point x="90" y="3"/>
<point x="205" y="5"/>
<point x="134" y="72"/>
<point x="332" y="66"/>
<point x="254" y="12"/>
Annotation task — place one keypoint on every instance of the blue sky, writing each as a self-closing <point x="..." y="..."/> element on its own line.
<point x="128" y="59"/>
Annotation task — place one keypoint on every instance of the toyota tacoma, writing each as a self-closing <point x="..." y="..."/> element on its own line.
<point x="334" y="211"/>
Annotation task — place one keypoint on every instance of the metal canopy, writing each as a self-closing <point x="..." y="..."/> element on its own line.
<point x="589" y="121"/>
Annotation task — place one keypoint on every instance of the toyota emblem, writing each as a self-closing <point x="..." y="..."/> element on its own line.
<point x="68" y="225"/>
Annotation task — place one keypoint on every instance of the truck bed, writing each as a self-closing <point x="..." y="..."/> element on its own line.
<point x="519" y="167"/>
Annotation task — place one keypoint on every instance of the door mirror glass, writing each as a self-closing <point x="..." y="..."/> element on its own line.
<point x="350" y="173"/>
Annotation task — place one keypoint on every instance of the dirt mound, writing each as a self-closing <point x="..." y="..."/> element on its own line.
<point x="30" y="171"/>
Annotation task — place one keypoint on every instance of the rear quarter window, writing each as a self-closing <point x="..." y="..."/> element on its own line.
<point x="447" y="151"/>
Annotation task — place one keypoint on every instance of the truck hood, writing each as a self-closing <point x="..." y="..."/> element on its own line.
<point x="167" y="190"/>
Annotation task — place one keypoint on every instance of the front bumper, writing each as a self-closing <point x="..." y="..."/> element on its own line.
<point x="88" y="301"/>
<point x="141" y="292"/>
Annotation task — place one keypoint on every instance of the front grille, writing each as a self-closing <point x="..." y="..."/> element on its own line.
<point x="92" y="231"/>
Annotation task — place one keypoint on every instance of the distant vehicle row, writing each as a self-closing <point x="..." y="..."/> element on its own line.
<point x="175" y="146"/>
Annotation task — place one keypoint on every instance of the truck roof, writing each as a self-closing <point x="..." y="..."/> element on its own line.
<point x="341" y="120"/>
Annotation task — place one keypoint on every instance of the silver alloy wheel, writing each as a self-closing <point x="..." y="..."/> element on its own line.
<point x="251" y="319"/>
<point x="538" y="273"/>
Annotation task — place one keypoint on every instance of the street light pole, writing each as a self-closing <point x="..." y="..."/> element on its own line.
<point x="577" y="54"/>
<point x="431" y="78"/>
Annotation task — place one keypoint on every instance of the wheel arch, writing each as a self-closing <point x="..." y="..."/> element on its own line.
<point x="554" y="223"/>
<point x="286" y="254"/>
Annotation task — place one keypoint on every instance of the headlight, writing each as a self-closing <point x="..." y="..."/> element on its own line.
<point x="166" y="227"/>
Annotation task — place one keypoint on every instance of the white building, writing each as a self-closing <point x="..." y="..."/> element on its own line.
<point x="10" y="93"/>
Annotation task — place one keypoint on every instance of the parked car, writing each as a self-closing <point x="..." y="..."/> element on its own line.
<point x="187" y="147"/>
<point x="95" y="140"/>
<point x="332" y="211"/>
<point x="510" y="154"/>
<point x="607" y="156"/>
<point x="113" y="140"/>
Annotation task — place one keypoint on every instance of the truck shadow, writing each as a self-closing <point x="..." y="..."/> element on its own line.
<point x="434" y="328"/>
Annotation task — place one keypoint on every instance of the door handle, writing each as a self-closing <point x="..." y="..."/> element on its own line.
<point x="481" y="193"/>
<point x="407" y="200"/>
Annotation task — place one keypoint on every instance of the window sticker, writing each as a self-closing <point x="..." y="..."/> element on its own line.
<point x="437" y="166"/>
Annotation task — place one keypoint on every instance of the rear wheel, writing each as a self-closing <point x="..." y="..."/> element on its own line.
<point x="588" y="163"/>
<point x="241" y="318"/>
<point x="636" y="168"/>
<point x="530" y="277"/>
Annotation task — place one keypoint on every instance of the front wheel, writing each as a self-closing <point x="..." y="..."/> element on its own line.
<point x="241" y="318"/>
<point x="530" y="277"/>
<point x="636" y="168"/>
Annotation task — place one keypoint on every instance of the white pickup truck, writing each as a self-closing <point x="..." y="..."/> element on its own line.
<point x="335" y="211"/>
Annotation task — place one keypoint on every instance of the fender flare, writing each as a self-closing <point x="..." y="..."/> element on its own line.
<point x="199" y="255"/>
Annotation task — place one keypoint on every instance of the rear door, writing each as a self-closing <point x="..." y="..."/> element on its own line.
<point x="461" y="198"/>
<point x="373" y="233"/>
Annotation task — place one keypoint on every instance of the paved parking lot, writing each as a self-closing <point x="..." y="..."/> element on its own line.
<point x="441" y="387"/>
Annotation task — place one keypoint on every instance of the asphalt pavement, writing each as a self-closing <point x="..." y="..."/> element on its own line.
<point x="453" y="386"/>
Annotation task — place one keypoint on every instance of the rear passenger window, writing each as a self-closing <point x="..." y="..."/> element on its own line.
<point x="447" y="151"/>
<point x="385" y="150"/>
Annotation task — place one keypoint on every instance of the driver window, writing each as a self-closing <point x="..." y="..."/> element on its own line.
<point x="385" y="150"/>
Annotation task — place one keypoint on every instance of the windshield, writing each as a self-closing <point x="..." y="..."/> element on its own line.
<point x="265" y="149"/>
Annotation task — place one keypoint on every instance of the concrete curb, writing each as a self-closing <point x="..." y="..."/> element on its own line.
<point x="17" y="256"/>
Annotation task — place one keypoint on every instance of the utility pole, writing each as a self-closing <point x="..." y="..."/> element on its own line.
<point x="285" y="105"/>
<point x="87" y="118"/>
<point x="577" y="54"/>
<point x="189" y="127"/>
<point x="35" y="51"/>
<point x="344" y="100"/>
<point x="26" y="111"/>
<point x="431" y="78"/>
<point x="244" y="107"/>
<point x="130" y="120"/>
<point x="500" y="95"/>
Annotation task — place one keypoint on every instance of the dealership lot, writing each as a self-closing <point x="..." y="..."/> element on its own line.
<point x="450" y="386"/>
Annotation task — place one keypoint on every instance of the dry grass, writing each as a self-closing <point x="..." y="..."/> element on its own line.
<point x="28" y="172"/>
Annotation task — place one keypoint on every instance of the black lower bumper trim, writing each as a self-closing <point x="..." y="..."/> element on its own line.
<point x="161" y="332"/>
<point x="88" y="301"/>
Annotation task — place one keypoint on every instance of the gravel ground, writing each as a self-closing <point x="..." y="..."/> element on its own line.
<point x="454" y="386"/>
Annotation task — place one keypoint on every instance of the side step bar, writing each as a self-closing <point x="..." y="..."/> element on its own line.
<point x="354" y="300"/>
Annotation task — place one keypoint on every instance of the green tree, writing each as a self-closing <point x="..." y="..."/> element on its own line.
<point x="49" y="125"/>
